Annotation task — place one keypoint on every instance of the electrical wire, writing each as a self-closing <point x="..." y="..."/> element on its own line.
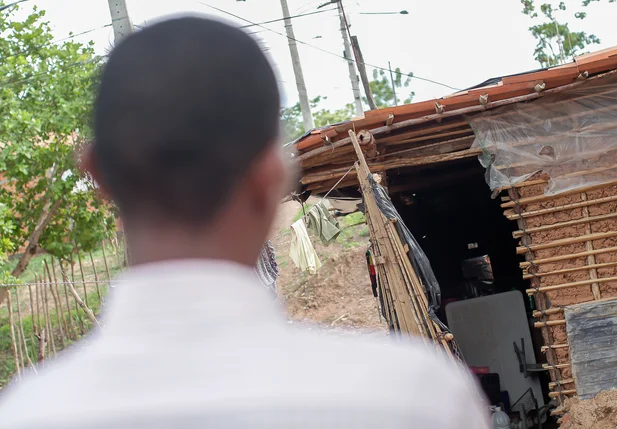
<point x="291" y="17"/>
<point x="326" y="51"/>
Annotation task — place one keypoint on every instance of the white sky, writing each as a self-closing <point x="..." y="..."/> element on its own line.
<point x="459" y="43"/>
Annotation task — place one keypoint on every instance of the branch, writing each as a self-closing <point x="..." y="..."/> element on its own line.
<point x="47" y="213"/>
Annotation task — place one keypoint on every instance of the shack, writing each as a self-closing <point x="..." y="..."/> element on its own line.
<point x="510" y="188"/>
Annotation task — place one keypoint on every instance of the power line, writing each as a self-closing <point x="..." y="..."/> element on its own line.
<point x="324" y="50"/>
<point x="291" y="17"/>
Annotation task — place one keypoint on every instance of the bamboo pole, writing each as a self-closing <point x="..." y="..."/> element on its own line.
<point x="549" y="323"/>
<point x="570" y="285"/>
<point x="548" y="312"/>
<point x="586" y="219"/>
<point x="554" y="384"/>
<point x="555" y="367"/>
<point x="591" y="259"/>
<point x="57" y="304"/>
<point x="73" y="333"/>
<point x="12" y="331"/>
<point x="511" y="215"/>
<point x="21" y="328"/>
<point x="568" y="256"/>
<point x="562" y="392"/>
<point x="544" y="349"/>
<point x="565" y="241"/>
<point x="48" y="323"/>
<point x="96" y="278"/>
<point x="540" y="298"/>
<point x="83" y="278"/>
<point x="542" y="198"/>
<point x="570" y="270"/>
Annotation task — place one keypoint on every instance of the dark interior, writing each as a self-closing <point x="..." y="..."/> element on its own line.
<point x="454" y="220"/>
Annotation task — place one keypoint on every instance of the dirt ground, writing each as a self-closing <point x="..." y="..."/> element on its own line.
<point x="597" y="413"/>
<point x="339" y="295"/>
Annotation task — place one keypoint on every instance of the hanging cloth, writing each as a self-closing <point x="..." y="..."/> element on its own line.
<point x="302" y="252"/>
<point x="322" y="223"/>
<point x="267" y="269"/>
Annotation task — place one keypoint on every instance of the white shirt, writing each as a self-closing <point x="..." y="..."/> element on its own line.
<point x="200" y="344"/>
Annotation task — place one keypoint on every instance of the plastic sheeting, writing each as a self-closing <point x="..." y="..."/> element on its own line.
<point x="418" y="258"/>
<point x="571" y="136"/>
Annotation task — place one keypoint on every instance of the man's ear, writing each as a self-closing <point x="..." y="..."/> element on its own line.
<point x="267" y="179"/>
<point x="89" y="164"/>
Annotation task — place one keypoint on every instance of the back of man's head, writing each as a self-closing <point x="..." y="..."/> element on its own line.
<point x="185" y="108"/>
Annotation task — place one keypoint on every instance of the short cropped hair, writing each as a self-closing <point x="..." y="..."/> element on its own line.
<point x="184" y="107"/>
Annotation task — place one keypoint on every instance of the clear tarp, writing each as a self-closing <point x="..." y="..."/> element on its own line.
<point x="570" y="136"/>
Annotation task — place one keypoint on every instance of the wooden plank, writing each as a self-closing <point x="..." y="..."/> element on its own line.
<point x="592" y="336"/>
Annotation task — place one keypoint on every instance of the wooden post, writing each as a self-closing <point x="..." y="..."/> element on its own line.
<point x="83" y="305"/>
<point x="12" y="331"/>
<point x="362" y="69"/>
<point x="96" y="279"/>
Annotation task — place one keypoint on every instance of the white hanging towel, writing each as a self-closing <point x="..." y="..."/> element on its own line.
<point x="302" y="252"/>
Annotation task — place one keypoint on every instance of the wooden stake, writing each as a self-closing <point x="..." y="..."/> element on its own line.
<point x="35" y="328"/>
<point x="549" y="323"/>
<point x="21" y="328"/>
<point x="83" y="278"/>
<point x="96" y="278"/>
<point x="48" y="323"/>
<point x="71" y="287"/>
<point x="73" y="333"/>
<point x="12" y="331"/>
<point x="57" y="304"/>
<point x="83" y="305"/>
<point x="105" y="259"/>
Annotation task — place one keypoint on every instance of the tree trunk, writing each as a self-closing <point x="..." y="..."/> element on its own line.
<point x="33" y="241"/>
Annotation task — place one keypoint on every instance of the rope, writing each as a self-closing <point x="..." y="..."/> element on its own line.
<point x="296" y="196"/>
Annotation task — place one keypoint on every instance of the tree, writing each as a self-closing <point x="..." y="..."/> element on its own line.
<point x="381" y="87"/>
<point x="556" y="43"/>
<point x="46" y="99"/>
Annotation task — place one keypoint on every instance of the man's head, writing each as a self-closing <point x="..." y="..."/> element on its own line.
<point x="186" y="133"/>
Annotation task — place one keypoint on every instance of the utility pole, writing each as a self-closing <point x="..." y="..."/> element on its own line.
<point x="120" y="19"/>
<point x="360" y="63"/>
<point x="305" y="107"/>
<point x="393" y="86"/>
<point x="353" y="77"/>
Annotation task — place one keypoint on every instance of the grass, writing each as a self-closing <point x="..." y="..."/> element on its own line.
<point x="7" y="360"/>
<point x="36" y="269"/>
